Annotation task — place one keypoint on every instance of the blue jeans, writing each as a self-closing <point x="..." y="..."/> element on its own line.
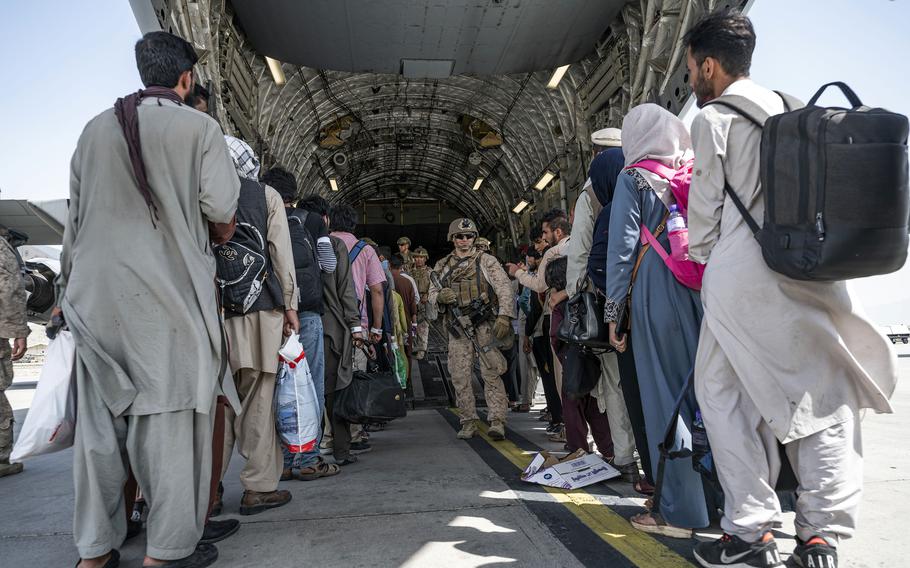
<point x="311" y="339"/>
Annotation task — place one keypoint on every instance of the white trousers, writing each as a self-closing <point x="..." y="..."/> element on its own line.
<point x="611" y="401"/>
<point x="828" y="464"/>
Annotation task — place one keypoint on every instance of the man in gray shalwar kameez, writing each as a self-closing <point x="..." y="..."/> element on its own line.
<point x="137" y="291"/>
<point x="778" y="360"/>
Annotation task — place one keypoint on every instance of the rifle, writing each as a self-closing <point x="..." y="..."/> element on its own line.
<point x="460" y="325"/>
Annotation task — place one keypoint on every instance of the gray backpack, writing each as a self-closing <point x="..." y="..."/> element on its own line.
<point x="834" y="180"/>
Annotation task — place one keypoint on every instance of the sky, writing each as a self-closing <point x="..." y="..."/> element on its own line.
<point x="67" y="61"/>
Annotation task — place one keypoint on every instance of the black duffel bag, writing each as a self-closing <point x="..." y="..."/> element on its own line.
<point x="835" y="185"/>
<point x="581" y="371"/>
<point x="371" y="398"/>
<point x="583" y="323"/>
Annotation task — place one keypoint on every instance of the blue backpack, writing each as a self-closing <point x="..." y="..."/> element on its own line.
<point x="597" y="259"/>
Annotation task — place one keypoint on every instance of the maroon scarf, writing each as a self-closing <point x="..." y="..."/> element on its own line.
<point x="126" y="110"/>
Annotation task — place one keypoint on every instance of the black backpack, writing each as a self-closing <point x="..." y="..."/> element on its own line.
<point x="306" y="262"/>
<point x="837" y="204"/>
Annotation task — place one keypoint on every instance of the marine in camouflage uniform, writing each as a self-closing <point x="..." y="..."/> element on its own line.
<point x="421" y="275"/>
<point x="475" y="283"/>
<point x="404" y="249"/>
<point x="13" y="326"/>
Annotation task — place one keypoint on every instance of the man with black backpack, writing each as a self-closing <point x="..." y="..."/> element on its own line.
<point x="313" y="256"/>
<point x="780" y="359"/>
<point x="259" y="297"/>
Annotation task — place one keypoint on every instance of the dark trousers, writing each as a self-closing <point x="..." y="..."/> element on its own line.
<point x="628" y="382"/>
<point x="341" y="428"/>
<point x="578" y="415"/>
<point x="508" y="378"/>
<point x="543" y="355"/>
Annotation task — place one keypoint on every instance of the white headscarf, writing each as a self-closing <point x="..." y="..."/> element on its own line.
<point x="650" y="132"/>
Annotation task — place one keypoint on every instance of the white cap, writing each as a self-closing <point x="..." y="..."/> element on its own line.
<point x="608" y="137"/>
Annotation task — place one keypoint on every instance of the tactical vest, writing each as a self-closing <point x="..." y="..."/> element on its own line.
<point x="252" y="225"/>
<point x="422" y="277"/>
<point x="465" y="277"/>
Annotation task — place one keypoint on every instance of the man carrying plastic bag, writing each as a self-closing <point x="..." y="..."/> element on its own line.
<point x="296" y="408"/>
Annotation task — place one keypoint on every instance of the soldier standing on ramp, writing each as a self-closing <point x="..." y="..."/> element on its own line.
<point x="13" y="326"/>
<point x="404" y="249"/>
<point x="421" y="275"/>
<point x="473" y="293"/>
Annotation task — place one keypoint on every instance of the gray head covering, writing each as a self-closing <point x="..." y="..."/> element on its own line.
<point x="245" y="161"/>
<point x="650" y="132"/>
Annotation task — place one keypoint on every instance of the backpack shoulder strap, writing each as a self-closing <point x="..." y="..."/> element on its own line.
<point x="299" y="216"/>
<point x="791" y="103"/>
<point x="596" y="205"/>
<point x="743" y="107"/>
<point x="355" y="252"/>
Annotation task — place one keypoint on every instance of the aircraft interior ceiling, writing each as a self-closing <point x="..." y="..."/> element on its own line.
<point x="414" y="134"/>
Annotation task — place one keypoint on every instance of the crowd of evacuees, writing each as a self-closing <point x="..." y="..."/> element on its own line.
<point x="173" y="376"/>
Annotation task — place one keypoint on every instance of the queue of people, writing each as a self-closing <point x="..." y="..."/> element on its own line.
<point x="174" y="372"/>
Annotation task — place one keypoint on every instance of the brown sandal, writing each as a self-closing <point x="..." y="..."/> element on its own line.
<point x="321" y="469"/>
<point x="655" y="524"/>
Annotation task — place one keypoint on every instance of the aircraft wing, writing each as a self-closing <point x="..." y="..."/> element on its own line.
<point x="42" y="221"/>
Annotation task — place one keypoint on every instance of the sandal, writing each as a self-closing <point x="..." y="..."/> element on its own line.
<point x="321" y="469"/>
<point x="655" y="524"/>
<point x="642" y="486"/>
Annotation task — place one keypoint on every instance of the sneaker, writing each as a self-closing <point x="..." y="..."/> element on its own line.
<point x="497" y="430"/>
<point x="815" y="553"/>
<point x="468" y="429"/>
<point x="360" y="447"/>
<point x="254" y="502"/>
<point x="732" y="551"/>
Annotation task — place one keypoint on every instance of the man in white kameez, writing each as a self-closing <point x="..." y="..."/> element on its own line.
<point x="778" y="360"/>
<point x="137" y="290"/>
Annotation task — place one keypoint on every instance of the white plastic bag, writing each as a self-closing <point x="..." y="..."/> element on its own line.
<point x="296" y="407"/>
<point x="50" y="424"/>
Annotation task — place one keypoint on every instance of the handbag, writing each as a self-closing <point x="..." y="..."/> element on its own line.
<point x="583" y="323"/>
<point x="373" y="396"/>
<point x="624" y="321"/>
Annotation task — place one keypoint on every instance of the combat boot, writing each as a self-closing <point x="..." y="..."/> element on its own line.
<point x="468" y="429"/>
<point x="10" y="469"/>
<point x="497" y="430"/>
<point x="255" y="502"/>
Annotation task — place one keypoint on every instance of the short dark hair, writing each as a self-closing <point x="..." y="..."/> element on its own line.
<point x="343" y="218"/>
<point x="384" y="251"/>
<point x="562" y="224"/>
<point x="198" y="93"/>
<point x="314" y="204"/>
<point x="555" y="273"/>
<point x="725" y="35"/>
<point x="532" y="252"/>
<point x="395" y="261"/>
<point x="281" y="181"/>
<point x="552" y="215"/>
<point x="162" y="57"/>
<point x="535" y="234"/>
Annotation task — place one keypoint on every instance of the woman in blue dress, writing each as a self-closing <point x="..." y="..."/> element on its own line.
<point x="665" y="315"/>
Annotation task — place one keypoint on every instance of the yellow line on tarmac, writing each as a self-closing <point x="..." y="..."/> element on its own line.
<point x="640" y="548"/>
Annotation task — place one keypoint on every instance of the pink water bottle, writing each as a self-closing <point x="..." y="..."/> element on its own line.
<point x="678" y="233"/>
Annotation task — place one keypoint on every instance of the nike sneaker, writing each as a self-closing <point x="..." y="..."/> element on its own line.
<point x="814" y="553"/>
<point x="730" y="551"/>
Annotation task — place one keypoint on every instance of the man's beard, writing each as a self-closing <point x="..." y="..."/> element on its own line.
<point x="703" y="90"/>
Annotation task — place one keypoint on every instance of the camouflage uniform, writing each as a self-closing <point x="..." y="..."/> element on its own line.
<point x="407" y="257"/>
<point x="477" y="276"/>
<point x="422" y="277"/>
<point x="13" y="324"/>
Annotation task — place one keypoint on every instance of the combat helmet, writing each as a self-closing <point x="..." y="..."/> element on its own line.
<point x="404" y="241"/>
<point x="482" y="244"/>
<point x="462" y="225"/>
<point x="420" y="251"/>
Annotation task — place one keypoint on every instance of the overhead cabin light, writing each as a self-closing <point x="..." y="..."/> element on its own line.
<point x="520" y="207"/>
<point x="277" y="72"/>
<point x="333" y="183"/>
<point x="557" y="76"/>
<point x="478" y="183"/>
<point x="546" y="178"/>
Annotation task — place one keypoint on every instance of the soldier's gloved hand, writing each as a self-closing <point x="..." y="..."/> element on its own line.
<point x="502" y="329"/>
<point x="446" y="296"/>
